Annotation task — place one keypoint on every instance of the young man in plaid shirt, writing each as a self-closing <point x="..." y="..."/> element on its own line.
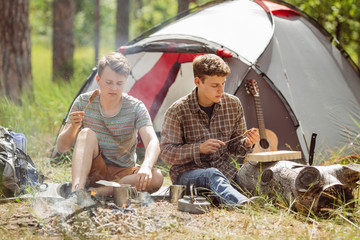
<point x="197" y="127"/>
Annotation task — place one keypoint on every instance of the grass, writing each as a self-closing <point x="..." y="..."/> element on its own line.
<point x="41" y="114"/>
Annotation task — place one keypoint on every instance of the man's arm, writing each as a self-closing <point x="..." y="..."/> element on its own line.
<point x="151" y="142"/>
<point x="152" y="150"/>
<point x="174" y="149"/>
<point x="68" y="134"/>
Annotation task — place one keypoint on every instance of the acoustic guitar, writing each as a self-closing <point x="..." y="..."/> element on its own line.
<point x="268" y="139"/>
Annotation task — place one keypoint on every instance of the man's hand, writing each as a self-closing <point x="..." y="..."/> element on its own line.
<point x="211" y="146"/>
<point x="144" y="178"/>
<point x="76" y="118"/>
<point x="252" y="137"/>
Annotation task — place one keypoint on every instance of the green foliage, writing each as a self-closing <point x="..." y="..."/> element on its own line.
<point x="341" y="18"/>
<point x="40" y="21"/>
<point x="84" y="22"/>
<point x="146" y="14"/>
<point x="41" y="114"/>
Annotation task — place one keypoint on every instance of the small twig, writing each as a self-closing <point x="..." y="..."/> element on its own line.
<point x="131" y="225"/>
<point x="92" y="97"/>
<point x="81" y="210"/>
<point x="293" y="212"/>
<point x="243" y="135"/>
<point x="349" y="221"/>
<point x="86" y="106"/>
<point x="233" y="139"/>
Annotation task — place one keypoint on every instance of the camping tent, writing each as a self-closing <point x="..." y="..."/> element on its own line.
<point x="307" y="85"/>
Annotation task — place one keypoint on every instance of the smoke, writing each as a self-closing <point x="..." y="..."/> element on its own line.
<point x="143" y="199"/>
<point x="47" y="207"/>
<point x="50" y="207"/>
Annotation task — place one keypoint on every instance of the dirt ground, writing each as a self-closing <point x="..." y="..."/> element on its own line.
<point x="38" y="219"/>
<point x="42" y="219"/>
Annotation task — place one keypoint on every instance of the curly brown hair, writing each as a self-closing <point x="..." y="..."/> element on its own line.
<point x="116" y="61"/>
<point x="210" y="65"/>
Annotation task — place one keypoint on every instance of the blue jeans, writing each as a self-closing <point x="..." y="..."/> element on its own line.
<point x="213" y="179"/>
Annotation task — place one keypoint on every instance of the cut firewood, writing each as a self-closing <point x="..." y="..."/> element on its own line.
<point x="273" y="156"/>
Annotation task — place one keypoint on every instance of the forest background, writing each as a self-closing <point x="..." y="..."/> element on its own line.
<point x="38" y="107"/>
<point x="37" y="103"/>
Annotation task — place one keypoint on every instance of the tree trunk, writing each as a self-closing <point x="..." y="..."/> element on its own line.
<point x="358" y="54"/>
<point x="338" y="29"/>
<point x="122" y="23"/>
<point x="63" y="39"/>
<point x="315" y="188"/>
<point x="183" y="5"/>
<point x="96" y="30"/>
<point x="358" y="47"/>
<point x="15" y="49"/>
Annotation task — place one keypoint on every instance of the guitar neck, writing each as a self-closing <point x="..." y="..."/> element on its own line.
<point x="260" y="117"/>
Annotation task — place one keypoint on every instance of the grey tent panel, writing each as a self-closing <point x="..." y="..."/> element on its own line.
<point x="321" y="88"/>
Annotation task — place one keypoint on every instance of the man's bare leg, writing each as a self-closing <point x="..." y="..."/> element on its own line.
<point x="156" y="183"/>
<point x="86" y="149"/>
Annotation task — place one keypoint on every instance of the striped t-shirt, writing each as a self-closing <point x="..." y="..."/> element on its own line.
<point x="117" y="136"/>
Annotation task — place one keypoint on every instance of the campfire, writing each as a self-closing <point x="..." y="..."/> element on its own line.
<point x="102" y="216"/>
<point x="108" y="219"/>
<point x="320" y="189"/>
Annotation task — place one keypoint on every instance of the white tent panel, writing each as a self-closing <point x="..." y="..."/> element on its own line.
<point x="141" y="63"/>
<point x="241" y="26"/>
<point x="183" y="85"/>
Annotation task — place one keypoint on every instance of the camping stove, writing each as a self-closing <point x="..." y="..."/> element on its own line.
<point x="193" y="203"/>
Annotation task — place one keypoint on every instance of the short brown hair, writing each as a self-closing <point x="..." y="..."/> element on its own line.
<point x="211" y="65"/>
<point x="116" y="61"/>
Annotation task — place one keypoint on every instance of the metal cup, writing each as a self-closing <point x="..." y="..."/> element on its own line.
<point x="143" y="198"/>
<point x="122" y="195"/>
<point x="176" y="192"/>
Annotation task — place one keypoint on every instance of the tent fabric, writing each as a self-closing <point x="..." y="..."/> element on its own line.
<point x="243" y="27"/>
<point x="322" y="92"/>
<point x="278" y="9"/>
<point x="147" y="88"/>
<point x="306" y="83"/>
<point x="286" y="122"/>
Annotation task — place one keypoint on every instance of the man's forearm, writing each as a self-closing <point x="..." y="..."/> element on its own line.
<point x="66" y="138"/>
<point x="151" y="154"/>
<point x="175" y="154"/>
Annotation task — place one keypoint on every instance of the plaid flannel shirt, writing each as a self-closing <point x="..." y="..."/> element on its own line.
<point x="186" y="126"/>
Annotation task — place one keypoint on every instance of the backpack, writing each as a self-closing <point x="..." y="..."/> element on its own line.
<point x="17" y="170"/>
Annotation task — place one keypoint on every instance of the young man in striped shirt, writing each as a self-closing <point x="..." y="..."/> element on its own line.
<point x="105" y="135"/>
<point x="197" y="129"/>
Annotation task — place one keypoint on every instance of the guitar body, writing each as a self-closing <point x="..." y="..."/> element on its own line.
<point x="268" y="140"/>
<point x="272" y="140"/>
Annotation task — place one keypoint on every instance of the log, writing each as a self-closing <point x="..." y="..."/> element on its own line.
<point x="307" y="188"/>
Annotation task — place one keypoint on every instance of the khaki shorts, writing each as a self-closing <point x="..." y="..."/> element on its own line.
<point x="101" y="171"/>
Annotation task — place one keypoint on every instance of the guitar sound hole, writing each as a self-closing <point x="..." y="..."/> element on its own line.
<point x="264" y="143"/>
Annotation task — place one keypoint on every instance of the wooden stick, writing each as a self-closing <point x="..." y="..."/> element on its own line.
<point x="245" y="133"/>
<point x="92" y="97"/>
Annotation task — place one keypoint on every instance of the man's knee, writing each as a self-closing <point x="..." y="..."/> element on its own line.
<point x="87" y="139"/>
<point x="213" y="172"/>
<point x="157" y="180"/>
<point x="86" y="133"/>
